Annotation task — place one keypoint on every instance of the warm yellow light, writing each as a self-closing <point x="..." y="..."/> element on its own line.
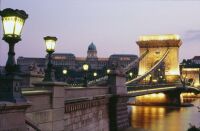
<point x="130" y="74"/>
<point x="153" y="95"/>
<point x="50" y="43"/>
<point x="173" y="72"/>
<point x="12" y="25"/>
<point x="154" y="80"/>
<point x="190" y="69"/>
<point x="161" y="95"/>
<point x="108" y="71"/>
<point x="85" y="67"/>
<point x="95" y="74"/>
<point x="196" y="84"/>
<point x="159" y="37"/>
<point x="13" y="21"/>
<point x="65" y="71"/>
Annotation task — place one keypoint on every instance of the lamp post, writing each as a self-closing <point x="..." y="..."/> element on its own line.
<point x="65" y="73"/>
<point x="85" y="69"/>
<point x="12" y="21"/>
<point x="95" y="75"/>
<point x="50" y="48"/>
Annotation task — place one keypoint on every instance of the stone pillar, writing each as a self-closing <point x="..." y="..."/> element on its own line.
<point x="173" y="97"/>
<point x="12" y="104"/>
<point x="118" y="112"/>
<point x="57" y="109"/>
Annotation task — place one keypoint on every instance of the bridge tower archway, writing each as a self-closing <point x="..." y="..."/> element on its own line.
<point x="157" y="46"/>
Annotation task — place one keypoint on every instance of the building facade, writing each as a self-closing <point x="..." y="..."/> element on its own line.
<point x="74" y="64"/>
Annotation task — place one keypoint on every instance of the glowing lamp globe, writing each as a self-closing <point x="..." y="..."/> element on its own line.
<point x="13" y="21"/>
<point x="50" y="43"/>
<point x="130" y="74"/>
<point x="95" y="74"/>
<point x="85" y="67"/>
<point x="65" y="71"/>
<point x="108" y="71"/>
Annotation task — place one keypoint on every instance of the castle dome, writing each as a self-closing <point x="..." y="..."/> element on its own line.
<point x="92" y="47"/>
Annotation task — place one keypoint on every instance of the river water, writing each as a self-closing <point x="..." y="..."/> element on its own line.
<point x="158" y="118"/>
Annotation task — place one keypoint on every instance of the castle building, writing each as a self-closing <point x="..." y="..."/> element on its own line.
<point x="73" y="63"/>
<point x="96" y="63"/>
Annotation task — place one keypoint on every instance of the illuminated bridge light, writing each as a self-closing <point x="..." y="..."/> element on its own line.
<point x="190" y="69"/>
<point x="154" y="89"/>
<point x="159" y="37"/>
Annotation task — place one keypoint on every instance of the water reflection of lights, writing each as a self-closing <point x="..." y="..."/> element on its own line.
<point x="190" y="94"/>
<point x="147" y="114"/>
<point x="157" y="98"/>
<point x="157" y="118"/>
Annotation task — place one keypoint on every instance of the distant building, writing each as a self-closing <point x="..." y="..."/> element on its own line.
<point x="25" y="62"/>
<point x="191" y="76"/>
<point x="190" y="71"/>
<point x="96" y="63"/>
<point x="122" y="59"/>
<point x="73" y="63"/>
<point x="196" y="60"/>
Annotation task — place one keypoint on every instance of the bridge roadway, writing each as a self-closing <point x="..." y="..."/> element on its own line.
<point x="150" y="89"/>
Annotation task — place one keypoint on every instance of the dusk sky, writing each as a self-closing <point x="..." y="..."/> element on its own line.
<point x="113" y="25"/>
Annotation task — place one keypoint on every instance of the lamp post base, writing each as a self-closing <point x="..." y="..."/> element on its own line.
<point x="10" y="89"/>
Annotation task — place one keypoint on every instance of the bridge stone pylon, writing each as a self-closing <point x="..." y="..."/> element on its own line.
<point x="158" y="45"/>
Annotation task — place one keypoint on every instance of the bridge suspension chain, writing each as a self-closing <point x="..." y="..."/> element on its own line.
<point x="135" y="80"/>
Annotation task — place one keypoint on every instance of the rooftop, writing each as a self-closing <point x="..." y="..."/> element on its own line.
<point x="159" y="37"/>
<point x="196" y="58"/>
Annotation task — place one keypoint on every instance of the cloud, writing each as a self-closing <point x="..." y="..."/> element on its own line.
<point x="191" y="35"/>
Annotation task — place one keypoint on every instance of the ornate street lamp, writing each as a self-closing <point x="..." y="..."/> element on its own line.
<point x="50" y="48"/>
<point x="95" y="76"/>
<point x="12" y="21"/>
<point x="85" y="69"/>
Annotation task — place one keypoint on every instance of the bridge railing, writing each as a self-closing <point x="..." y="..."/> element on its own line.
<point x="144" y="87"/>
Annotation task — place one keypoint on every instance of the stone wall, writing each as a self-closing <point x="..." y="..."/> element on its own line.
<point x="40" y="113"/>
<point x="79" y="92"/>
<point x="87" y="115"/>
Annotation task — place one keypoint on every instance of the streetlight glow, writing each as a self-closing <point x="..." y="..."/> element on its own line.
<point x="13" y="21"/>
<point x="108" y="71"/>
<point x="64" y="71"/>
<point x="85" y="67"/>
<point x="50" y="43"/>
<point x="131" y="74"/>
<point x="95" y="74"/>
